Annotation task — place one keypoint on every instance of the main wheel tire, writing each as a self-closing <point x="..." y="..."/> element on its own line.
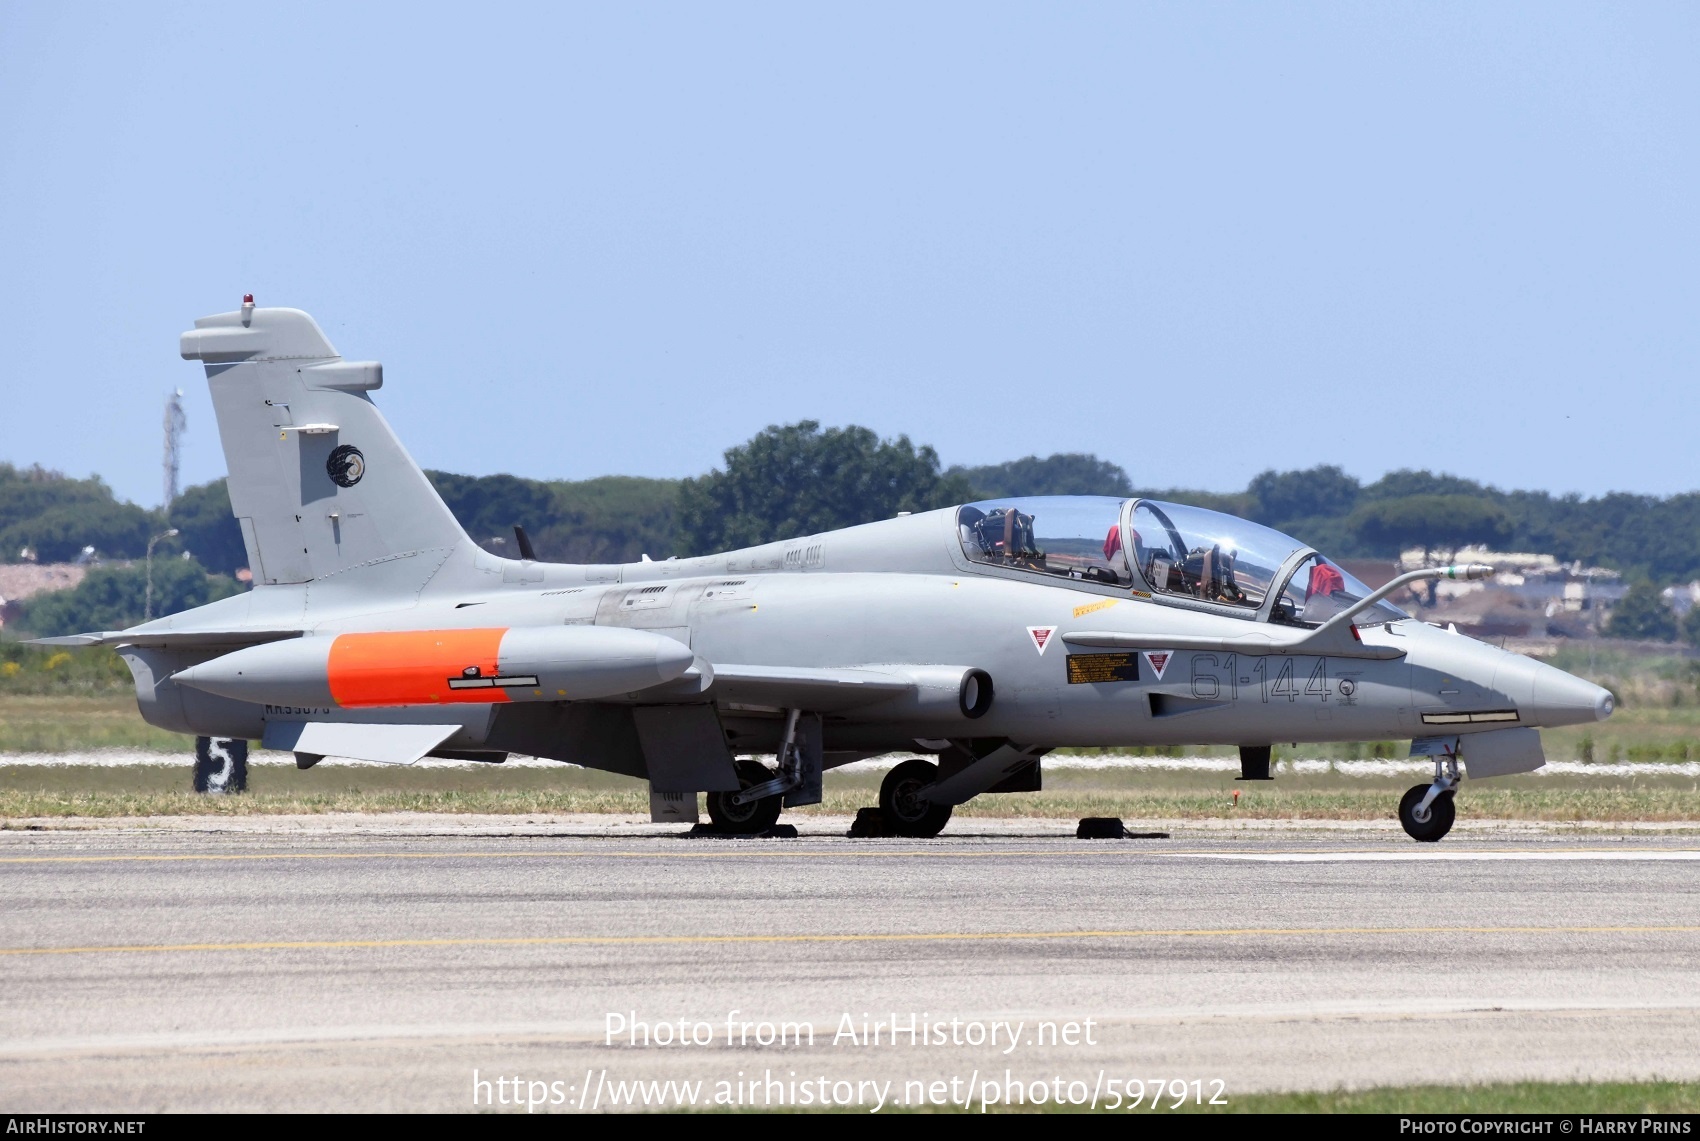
<point x="750" y="819"/>
<point x="1438" y="820"/>
<point x="905" y="812"/>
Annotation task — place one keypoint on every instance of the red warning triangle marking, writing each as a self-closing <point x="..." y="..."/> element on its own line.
<point x="1158" y="660"/>
<point x="1041" y="636"/>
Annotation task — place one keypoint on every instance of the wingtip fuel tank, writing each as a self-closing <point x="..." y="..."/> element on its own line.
<point x="438" y="667"/>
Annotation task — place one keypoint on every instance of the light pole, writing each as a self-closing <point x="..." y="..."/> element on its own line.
<point x="147" y="609"/>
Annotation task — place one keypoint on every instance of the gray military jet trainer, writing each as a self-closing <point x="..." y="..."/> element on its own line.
<point x="980" y="636"/>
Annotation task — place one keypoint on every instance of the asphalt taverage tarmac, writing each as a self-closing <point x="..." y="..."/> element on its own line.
<point x="171" y="969"/>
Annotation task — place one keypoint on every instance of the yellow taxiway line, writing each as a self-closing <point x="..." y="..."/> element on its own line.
<point x="891" y="937"/>
<point x="1307" y="856"/>
<point x="654" y="855"/>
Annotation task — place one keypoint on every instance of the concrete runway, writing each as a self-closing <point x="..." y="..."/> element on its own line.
<point x="261" y="965"/>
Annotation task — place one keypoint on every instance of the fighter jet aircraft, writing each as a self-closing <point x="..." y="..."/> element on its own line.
<point x="978" y="637"/>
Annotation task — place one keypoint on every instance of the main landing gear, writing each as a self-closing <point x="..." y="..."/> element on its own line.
<point x="905" y="811"/>
<point x="763" y="793"/>
<point x="1427" y="811"/>
<point x="751" y="817"/>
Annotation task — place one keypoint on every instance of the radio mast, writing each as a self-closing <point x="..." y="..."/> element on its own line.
<point x="175" y="425"/>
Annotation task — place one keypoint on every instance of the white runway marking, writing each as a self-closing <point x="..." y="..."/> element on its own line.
<point x="590" y="1032"/>
<point x="1430" y="854"/>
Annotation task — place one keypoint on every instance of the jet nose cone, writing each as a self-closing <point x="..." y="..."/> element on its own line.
<point x="1562" y="699"/>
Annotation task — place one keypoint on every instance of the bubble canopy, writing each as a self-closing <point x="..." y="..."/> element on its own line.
<point x="1064" y="536"/>
<point x="1202" y="554"/>
<point x="1179" y="551"/>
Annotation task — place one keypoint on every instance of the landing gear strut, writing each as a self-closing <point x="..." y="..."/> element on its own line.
<point x="755" y="807"/>
<point x="1427" y="811"/>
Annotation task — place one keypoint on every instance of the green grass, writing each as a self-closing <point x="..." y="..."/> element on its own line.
<point x="76" y="722"/>
<point x="92" y="791"/>
<point x="54" y="670"/>
<point x="1509" y="1097"/>
<point x="1637" y="733"/>
<point x="1535" y="1098"/>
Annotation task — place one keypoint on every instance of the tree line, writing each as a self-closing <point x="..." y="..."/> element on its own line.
<point x="801" y="478"/>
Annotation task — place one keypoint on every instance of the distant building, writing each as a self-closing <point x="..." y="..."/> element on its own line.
<point x="19" y="581"/>
<point x="1682" y="598"/>
<point x="1373" y="573"/>
<point x="1532" y="595"/>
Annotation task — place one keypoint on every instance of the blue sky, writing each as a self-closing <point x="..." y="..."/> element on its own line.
<point x="1200" y="240"/>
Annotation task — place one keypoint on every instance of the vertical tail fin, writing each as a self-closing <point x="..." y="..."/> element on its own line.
<point x="318" y="481"/>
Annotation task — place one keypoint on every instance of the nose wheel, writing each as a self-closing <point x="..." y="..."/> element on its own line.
<point x="1427" y="819"/>
<point x="1427" y="811"/>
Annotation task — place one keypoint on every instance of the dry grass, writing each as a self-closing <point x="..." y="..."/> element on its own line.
<point x="38" y="791"/>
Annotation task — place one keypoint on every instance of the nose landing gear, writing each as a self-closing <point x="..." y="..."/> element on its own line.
<point x="1426" y="810"/>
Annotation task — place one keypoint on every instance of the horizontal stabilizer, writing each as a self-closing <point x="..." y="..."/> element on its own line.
<point x="99" y="638"/>
<point x="390" y="744"/>
<point x="170" y="639"/>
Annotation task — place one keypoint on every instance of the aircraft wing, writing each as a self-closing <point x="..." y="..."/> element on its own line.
<point x="806" y="688"/>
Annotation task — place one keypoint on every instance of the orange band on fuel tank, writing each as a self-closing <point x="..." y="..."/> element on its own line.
<point x="413" y="667"/>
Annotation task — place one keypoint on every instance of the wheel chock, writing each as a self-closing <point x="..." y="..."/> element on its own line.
<point x="777" y="832"/>
<point x="869" y="822"/>
<point x="1112" y="828"/>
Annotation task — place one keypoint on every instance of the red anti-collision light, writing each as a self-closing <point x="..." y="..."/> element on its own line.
<point x="247" y="299"/>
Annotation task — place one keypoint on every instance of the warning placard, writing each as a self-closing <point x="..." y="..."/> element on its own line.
<point x="1090" y="669"/>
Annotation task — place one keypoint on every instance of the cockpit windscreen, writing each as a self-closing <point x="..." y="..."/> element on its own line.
<point x="1066" y="536"/>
